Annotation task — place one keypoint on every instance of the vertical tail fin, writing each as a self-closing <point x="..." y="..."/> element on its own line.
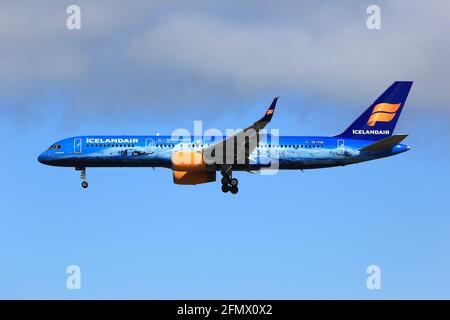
<point x="379" y="120"/>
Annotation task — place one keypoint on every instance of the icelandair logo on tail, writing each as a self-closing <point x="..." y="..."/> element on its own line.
<point x="383" y="112"/>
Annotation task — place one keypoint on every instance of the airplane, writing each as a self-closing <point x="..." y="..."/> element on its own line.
<point x="196" y="160"/>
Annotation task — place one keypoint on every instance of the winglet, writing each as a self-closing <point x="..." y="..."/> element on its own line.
<point x="269" y="113"/>
<point x="261" y="123"/>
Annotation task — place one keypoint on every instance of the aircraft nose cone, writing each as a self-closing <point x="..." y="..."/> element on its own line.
<point x="43" y="158"/>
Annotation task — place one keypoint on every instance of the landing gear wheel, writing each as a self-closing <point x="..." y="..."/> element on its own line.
<point x="84" y="182"/>
<point x="228" y="182"/>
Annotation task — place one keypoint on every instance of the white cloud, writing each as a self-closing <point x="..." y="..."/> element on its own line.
<point x="168" y="53"/>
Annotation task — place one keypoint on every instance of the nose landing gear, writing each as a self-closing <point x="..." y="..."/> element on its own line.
<point x="228" y="182"/>
<point x="84" y="182"/>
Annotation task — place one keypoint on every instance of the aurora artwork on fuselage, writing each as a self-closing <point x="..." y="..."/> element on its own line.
<point x="197" y="159"/>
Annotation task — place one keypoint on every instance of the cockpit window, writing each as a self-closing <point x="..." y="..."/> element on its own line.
<point x="55" y="147"/>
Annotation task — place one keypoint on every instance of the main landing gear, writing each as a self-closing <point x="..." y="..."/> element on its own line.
<point x="228" y="182"/>
<point x="84" y="182"/>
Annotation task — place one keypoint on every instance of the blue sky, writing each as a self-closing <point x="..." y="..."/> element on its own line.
<point x="292" y="235"/>
<point x="135" y="234"/>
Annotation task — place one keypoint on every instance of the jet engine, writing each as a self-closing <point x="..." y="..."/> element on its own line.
<point x="189" y="167"/>
<point x="193" y="177"/>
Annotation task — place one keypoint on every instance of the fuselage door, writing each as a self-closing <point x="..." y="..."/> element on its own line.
<point x="341" y="146"/>
<point x="77" y="145"/>
<point x="149" y="145"/>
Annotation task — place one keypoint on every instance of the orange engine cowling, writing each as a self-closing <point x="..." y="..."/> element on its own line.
<point x="188" y="161"/>
<point x="189" y="167"/>
<point x="193" y="177"/>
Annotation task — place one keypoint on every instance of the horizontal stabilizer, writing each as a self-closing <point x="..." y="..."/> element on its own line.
<point x="384" y="144"/>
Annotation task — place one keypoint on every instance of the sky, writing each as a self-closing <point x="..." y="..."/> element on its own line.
<point x="154" y="66"/>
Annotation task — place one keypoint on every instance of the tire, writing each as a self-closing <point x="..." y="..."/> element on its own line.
<point x="234" y="182"/>
<point x="234" y="190"/>
<point x="84" y="184"/>
<point x="225" y="180"/>
<point x="225" y="188"/>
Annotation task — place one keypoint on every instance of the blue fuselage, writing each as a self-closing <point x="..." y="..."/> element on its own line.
<point x="287" y="152"/>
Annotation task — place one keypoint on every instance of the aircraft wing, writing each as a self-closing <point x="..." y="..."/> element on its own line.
<point x="241" y="143"/>
<point x="385" y="143"/>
